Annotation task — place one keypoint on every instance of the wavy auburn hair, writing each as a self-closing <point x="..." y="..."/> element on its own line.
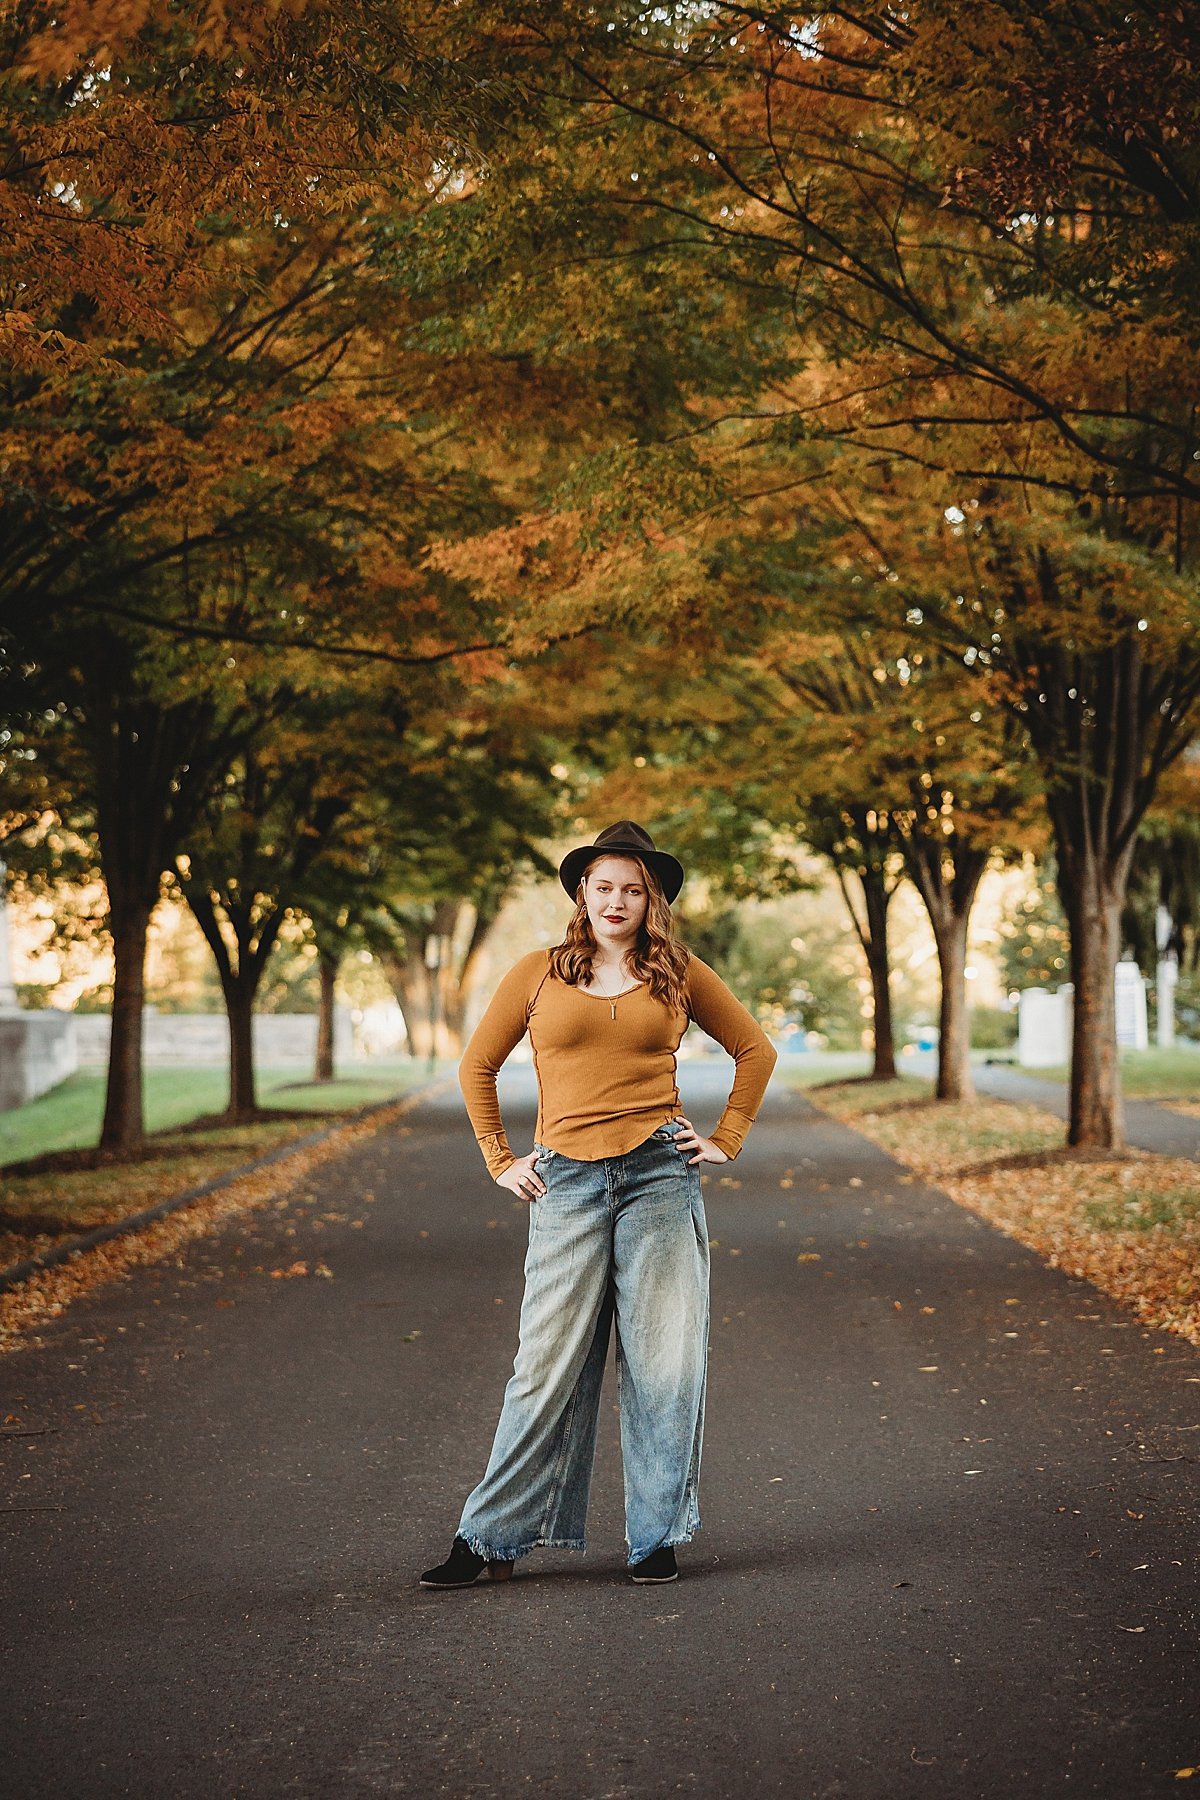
<point x="658" y="958"/>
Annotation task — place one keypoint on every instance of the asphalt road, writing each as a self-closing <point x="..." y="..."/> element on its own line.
<point x="949" y="1505"/>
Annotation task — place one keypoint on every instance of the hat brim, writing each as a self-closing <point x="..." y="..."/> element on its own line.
<point x="668" y="870"/>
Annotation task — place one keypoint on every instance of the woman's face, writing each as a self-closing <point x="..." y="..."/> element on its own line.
<point x="614" y="892"/>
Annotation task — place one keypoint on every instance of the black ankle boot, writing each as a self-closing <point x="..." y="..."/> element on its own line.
<point x="660" y="1565"/>
<point x="463" y="1567"/>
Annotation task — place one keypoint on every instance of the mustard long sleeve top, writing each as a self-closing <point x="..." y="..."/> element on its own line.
<point x="606" y="1069"/>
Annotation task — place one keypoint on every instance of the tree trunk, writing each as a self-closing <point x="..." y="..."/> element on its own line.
<point x="946" y="873"/>
<point x="124" y="1127"/>
<point x="1111" y="723"/>
<point x="409" y="980"/>
<point x="239" y="1008"/>
<point x="954" y="1079"/>
<point x="153" y="764"/>
<point x="327" y="969"/>
<point x="239" y="982"/>
<point x="452" y="1005"/>
<point x="870" y="928"/>
<point x="455" y="1002"/>
<point x="877" y="897"/>
<point x="1097" y="1109"/>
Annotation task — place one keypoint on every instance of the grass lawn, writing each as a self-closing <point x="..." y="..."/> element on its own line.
<point x="1150" y="1074"/>
<point x="1129" y="1223"/>
<point x="69" y="1117"/>
<point x="807" y="1067"/>
<point x="37" y="1209"/>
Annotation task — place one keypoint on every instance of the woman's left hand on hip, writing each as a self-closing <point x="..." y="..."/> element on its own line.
<point x="689" y="1139"/>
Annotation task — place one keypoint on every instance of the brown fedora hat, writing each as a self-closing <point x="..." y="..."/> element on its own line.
<point x="622" y="839"/>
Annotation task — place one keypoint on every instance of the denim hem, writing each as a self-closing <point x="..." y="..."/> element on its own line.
<point x="510" y="1552"/>
<point x="667" y="1544"/>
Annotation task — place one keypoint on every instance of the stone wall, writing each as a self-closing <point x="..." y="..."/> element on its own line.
<point x="37" y="1051"/>
<point x="280" y="1039"/>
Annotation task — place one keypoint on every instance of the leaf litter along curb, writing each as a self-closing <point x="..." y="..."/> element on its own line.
<point x="45" y="1296"/>
<point x="44" y="1211"/>
<point x="1129" y="1223"/>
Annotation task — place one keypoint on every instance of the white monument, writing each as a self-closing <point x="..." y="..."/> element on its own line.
<point x="1044" y="1027"/>
<point x="1130" y="998"/>
<point x="1167" y="975"/>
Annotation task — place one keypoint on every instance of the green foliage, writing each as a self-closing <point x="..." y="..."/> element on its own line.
<point x="787" y="972"/>
<point x="992" y="1028"/>
<point x="1034" y="943"/>
<point x="1166" y="873"/>
<point x="1187" y="1005"/>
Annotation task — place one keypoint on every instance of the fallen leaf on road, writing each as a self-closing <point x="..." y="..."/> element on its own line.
<point x="928" y="1369"/>
<point x="1132" y="1629"/>
<point x="808" y="1256"/>
<point x="297" y="1268"/>
<point x="1186" y="1774"/>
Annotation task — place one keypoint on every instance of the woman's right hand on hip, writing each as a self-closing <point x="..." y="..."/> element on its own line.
<point x="522" y="1178"/>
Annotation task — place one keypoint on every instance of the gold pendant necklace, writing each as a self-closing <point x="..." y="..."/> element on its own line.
<point x="611" y="998"/>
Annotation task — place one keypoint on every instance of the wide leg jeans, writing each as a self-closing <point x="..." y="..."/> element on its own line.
<point x="622" y="1239"/>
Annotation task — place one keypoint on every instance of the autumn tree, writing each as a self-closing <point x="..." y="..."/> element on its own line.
<point x="129" y="741"/>
<point x="192" y="418"/>
<point x="183" y="197"/>
<point x="257" y="838"/>
<point x="958" y="216"/>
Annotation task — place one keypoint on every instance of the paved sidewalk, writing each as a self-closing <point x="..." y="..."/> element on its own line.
<point x="1149" y="1126"/>
<point x="949" y="1502"/>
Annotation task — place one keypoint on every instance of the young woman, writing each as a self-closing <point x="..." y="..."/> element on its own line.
<point x="617" y="1224"/>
